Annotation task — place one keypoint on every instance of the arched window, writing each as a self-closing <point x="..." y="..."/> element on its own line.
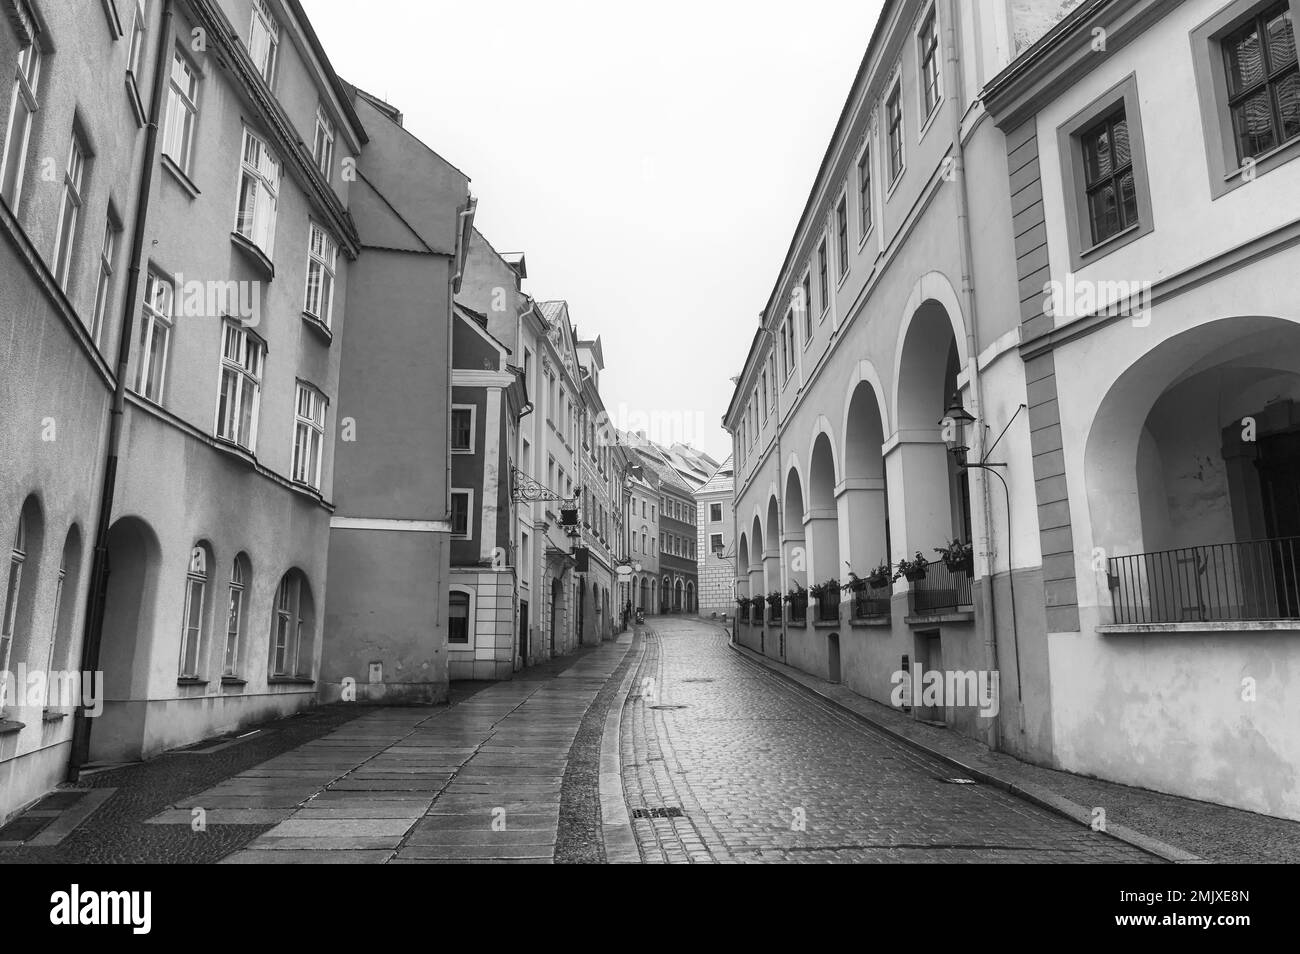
<point x="458" y="617"/>
<point x="291" y="620"/>
<point x="234" y="618"/>
<point x="196" y="584"/>
<point x="13" y="588"/>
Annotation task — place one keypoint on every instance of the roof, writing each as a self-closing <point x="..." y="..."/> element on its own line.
<point x="722" y="481"/>
<point x="551" y="310"/>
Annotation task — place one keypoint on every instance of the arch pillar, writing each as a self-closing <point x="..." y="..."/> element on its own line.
<point x="920" y="511"/>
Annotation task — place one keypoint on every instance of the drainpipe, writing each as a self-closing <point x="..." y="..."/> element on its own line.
<point x="967" y="293"/>
<point x="94" y="630"/>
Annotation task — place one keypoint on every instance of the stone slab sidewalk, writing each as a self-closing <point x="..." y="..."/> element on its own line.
<point x="1178" y="829"/>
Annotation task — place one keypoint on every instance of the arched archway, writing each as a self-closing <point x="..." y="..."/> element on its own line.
<point x="822" y="517"/>
<point x="742" y="566"/>
<point x="66" y="605"/>
<point x="293" y="627"/>
<point x="679" y="592"/>
<point x="1192" y="467"/>
<point x="865" y="484"/>
<point x="134" y="557"/>
<point x="556" y="596"/>
<point x="935" y="497"/>
<point x="690" y="597"/>
<point x="796" y="556"/>
<point x="758" y="564"/>
<point x="772" y="536"/>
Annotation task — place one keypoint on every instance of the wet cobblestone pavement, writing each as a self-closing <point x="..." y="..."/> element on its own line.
<point x="760" y="772"/>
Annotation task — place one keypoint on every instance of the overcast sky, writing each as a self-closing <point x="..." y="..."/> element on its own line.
<point x="650" y="159"/>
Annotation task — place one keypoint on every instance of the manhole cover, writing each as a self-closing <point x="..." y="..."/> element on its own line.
<point x="672" y="812"/>
<point x="957" y="781"/>
<point x="668" y="707"/>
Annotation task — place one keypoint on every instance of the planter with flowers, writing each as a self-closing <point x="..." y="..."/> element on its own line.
<point x="958" y="557"/>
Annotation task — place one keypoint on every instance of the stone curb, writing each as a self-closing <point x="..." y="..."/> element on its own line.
<point x="1035" y="794"/>
<point x="616" y="826"/>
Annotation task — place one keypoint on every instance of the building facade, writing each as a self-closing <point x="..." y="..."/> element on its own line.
<point x="715" y="546"/>
<point x="934" y="486"/>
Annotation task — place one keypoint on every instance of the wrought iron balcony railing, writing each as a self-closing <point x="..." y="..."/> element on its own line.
<point x="799" y="612"/>
<point x="828" y="605"/>
<point x="941" y="590"/>
<point x="868" y="601"/>
<point x="1222" y="582"/>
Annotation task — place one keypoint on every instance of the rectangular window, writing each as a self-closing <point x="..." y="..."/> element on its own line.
<point x="259" y="185"/>
<point x="22" y="112"/>
<point x="65" y="237"/>
<point x="288" y="628"/>
<point x="104" y="285"/>
<point x="230" y="663"/>
<point x="763" y="383"/>
<point x="462" y="429"/>
<point x="864" y="193"/>
<point x="264" y="40"/>
<point x="715" y="512"/>
<point x="242" y="356"/>
<point x="308" y="435"/>
<point x="322" y="259"/>
<point x="807" y="303"/>
<point x="842" y="236"/>
<point x="155" y="336"/>
<point x="823" y="284"/>
<point x="192" y="633"/>
<point x="928" y="40"/>
<point x="1263" y="79"/>
<point x="182" y="111"/>
<point x="894" y="126"/>
<point x="322" y="149"/>
<point x="458" y="618"/>
<point x="1111" y="195"/>
<point x="461" y="502"/>
<point x="13" y="587"/>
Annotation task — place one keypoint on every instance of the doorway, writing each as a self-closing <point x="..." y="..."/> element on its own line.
<point x="1278" y="463"/>
<point x="555" y="611"/>
<point x="833" y="658"/>
<point x="523" y="633"/>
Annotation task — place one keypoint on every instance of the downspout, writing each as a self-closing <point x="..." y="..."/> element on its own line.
<point x="967" y="293"/>
<point x="98" y="590"/>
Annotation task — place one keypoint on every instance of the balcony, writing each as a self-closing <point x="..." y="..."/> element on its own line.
<point x="799" y="611"/>
<point x="1221" y="583"/>
<point x="828" y="605"/>
<point x="868" y="601"/>
<point x="941" y="591"/>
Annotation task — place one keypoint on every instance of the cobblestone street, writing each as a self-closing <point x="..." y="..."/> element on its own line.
<point x="763" y="773"/>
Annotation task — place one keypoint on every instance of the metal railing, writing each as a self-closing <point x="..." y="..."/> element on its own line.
<point x="1222" y="582"/>
<point x="773" y="612"/>
<point x="940" y="590"/>
<point x="868" y="601"/>
<point x="828" y="605"/>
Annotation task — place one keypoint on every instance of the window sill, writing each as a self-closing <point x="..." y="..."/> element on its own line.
<point x="191" y="681"/>
<point x="319" y="327"/>
<point x="307" y="490"/>
<point x="234" y="449"/>
<point x="826" y="624"/>
<point x="893" y="183"/>
<point x="233" y="681"/>
<point x="53" y="715"/>
<point x="290" y="681"/>
<point x="1171" y="629"/>
<point x="11" y="726"/>
<point x="133" y="95"/>
<point x="1099" y="247"/>
<point x="862" y="242"/>
<point x="1235" y="178"/>
<point x="929" y="120"/>
<point x="179" y="175"/>
<point x="865" y="621"/>
<point x="258" y="257"/>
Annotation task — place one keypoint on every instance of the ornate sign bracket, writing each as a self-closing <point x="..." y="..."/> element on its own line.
<point x="524" y="489"/>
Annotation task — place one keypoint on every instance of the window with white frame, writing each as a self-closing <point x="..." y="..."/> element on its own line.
<point x="259" y="187"/>
<point x="928" y="56"/>
<point x="308" y="435"/>
<point x="458" y="618"/>
<point x="104" y="284"/>
<point x="155" y="336"/>
<point x="182" y="111"/>
<point x="135" y="49"/>
<point x="864" y="193"/>
<point x="196" y="582"/>
<point x="264" y="40"/>
<point x="242" y="356"/>
<point x="322" y="259"/>
<point x="234" y="619"/>
<point x="715" y="512"/>
<point x="894" y="129"/>
<point x="22" y="112"/>
<point x="462" y="506"/>
<point x="287" y="625"/>
<point x="462" y="428"/>
<point x="322" y="147"/>
<point x="57" y="618"/>
<point x="805" y="289"/>
<point x="13" y="588"/>
<point x="65" y="237"/>
<point x="842" y="237"/>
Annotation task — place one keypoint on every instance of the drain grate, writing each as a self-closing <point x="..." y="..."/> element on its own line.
<point x="672" y="812"/>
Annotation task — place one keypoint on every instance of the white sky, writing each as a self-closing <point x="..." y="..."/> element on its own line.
<point x="650" y="159"/>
